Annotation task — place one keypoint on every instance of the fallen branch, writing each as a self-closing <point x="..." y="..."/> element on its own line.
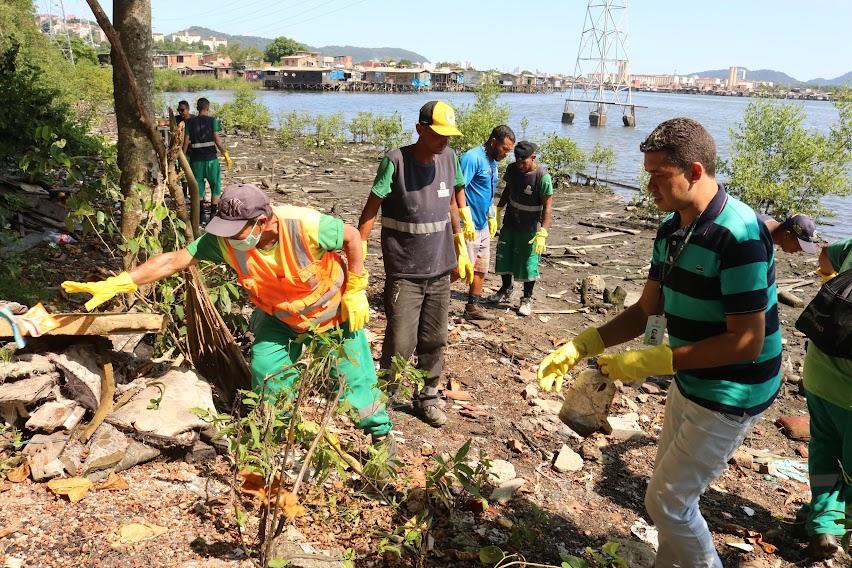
<point x="105" y="405"/>
<point x="609" y="227"/>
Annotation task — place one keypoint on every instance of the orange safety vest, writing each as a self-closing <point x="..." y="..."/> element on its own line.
<point x="307" y="297"/>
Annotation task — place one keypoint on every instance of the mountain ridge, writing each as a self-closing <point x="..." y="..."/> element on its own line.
<point x="778" y="77"/>
<point x="358" y="53"/>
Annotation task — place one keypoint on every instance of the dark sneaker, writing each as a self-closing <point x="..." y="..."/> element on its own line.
<point x="476" y="312"/>
<point x="426" y="409"/>
<point x="822" y="546"/>
<point x="526" y="307"/>
<point x="501" y="296"/>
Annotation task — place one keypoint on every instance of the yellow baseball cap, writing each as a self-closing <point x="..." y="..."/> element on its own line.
<point x="440" y="117"/>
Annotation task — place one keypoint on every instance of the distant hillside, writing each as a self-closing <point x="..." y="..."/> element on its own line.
<point x="845" y="79"/>
<point x="357" y="53"/>
<point x="777" y="77"/>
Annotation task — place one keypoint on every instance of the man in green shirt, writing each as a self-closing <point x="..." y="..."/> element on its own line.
<point x="828" y="388"/>
<point x="422" y="244"/>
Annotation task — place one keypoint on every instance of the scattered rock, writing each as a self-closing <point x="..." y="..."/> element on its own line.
<point x="502" y="471"/>
<point x="107" y="448"/>
<point x="458" y="395"/>
<point x="28" y="391"/>
<point x="650" y="388"/>
<point x="42" y="453"/>
<point x="567" y="460"/>
<point x="200" y="453"/>
<point x="136" y="453"/>
<point x="73" y="456"/>
<point x="590" y="451"/>
<point x="742" y="458"/>
<point x="802" y="450"/>
<point x="181" y="392"/>
<point x="516" y="445"/>
<point x="551" y="406"/>
<point x="25" y="366"/>
<point x="795" y="427"/>
<point x="624" y="427"/>
<point x="741" y="546"/>
<point x="82" y="374"/>
<point x="55" y="415"/>
<point x="615" y="297"/>
<point x="591" y="287"/>
<point x="530" y="392"/>
<point x="507" y="489"/>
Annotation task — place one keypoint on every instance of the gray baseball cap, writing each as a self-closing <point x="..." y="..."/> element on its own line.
<point x="239" y="204"/>
<point x="806" y="232"/>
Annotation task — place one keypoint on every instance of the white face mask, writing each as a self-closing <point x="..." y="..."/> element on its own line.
<point x="247" y="243"/>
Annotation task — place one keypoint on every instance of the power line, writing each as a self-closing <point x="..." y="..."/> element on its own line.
<point x="277" y="25"/>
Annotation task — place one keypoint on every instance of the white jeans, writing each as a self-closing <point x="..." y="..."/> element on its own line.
<point x="694" y="448"/>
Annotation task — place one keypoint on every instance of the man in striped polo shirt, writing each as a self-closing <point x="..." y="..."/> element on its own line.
<point x="712" y="286"/>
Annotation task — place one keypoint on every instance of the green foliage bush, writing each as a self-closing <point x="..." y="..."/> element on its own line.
<point x="361" y="127"/>
<point x="477" y="121"/>
<point x="291" y="126"/>
<point x="328" y="132"/>
<point x="562" y="157"/>
<point x="172" y="81"/>
<point x="245" y="113"/>
<point x="602" y="157"/>
<point x="389" y="132"/>
<point x="778" y="166"/>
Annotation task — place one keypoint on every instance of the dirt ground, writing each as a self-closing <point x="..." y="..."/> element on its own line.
<point x="494" y="361"/>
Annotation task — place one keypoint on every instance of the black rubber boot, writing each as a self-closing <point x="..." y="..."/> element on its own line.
<point x="205" y="213"/>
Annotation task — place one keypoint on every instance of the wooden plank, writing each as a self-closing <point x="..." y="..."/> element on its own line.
<point x="603" y="235"/>
<point x="99" y="324"/>
<point x="609" y="227"/>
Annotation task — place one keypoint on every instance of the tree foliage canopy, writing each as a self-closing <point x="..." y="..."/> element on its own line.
<point x="281" y="47"/>
<point x="477" y="121"/>
<point x="778" y="166"/>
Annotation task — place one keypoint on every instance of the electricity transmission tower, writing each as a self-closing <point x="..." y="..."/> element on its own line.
<point x="602" y="72"/>
<point x="61" y="37"/>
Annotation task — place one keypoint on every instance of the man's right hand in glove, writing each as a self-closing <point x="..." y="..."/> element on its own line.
<point x="552" y="369"/>
<point x="103" y="290"/>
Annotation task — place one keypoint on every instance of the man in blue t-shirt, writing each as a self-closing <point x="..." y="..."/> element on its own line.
<point x="479" y="167"/>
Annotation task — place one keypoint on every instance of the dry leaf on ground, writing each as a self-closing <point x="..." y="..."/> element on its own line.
<point x="137" y="532"/>
<point x="114" y="483"/>
<point x="75" y="488"/>
<point x="289" y="503"/>
<point x="18" y="474"/>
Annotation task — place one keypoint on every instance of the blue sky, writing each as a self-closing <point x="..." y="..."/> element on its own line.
<point x="806" y="39"/>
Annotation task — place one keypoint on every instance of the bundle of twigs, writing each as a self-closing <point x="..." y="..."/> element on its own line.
<point x="213" y="350"/>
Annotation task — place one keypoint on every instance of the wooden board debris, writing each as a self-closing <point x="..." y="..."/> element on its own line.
<point x="609" y="227"/>
<point x="99" y="324"/>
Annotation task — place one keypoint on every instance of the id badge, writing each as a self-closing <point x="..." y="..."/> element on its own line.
<point x="655" y="330"/>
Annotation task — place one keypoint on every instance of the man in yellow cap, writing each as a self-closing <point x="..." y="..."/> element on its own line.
<point x="288" y="260"/>
<point x="421" y="245"/>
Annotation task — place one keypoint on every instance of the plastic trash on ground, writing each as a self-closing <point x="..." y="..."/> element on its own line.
<point x="587" y="402"/>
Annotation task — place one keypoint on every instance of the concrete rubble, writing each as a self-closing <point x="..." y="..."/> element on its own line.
<point x="50" y="398"/>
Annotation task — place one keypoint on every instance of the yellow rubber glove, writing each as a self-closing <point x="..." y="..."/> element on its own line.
<point x="637" y="365"/>
<point x="354" y="306"/>
<point x="538" y="241"/>
<point x="467" y="224"/>
<point x="500" y="216"/>
<point x="229" y="163"/>
<point x="825" y="277"/>
<point x="465" y="266"/>
<point x="364" y="249"/>
<point x="103" y="290"/>
<point x="493" y="227"/>
<point x="552" y="369"/>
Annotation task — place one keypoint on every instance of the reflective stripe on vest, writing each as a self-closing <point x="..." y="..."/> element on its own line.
<point x="202" y="145"/>
<point x="521" y="207"/>
<point x="307" y="297"/>
<point x="415" y="228"/>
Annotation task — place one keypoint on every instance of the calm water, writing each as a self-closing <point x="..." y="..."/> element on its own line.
<point x="544" y="112"/>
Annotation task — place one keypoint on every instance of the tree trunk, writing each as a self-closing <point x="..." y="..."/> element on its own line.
<point x="132" y="21"/>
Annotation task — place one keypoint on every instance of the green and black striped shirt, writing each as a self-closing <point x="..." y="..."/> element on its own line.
<point x="726" y="268"/>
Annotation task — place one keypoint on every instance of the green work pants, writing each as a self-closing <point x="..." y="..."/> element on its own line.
<point x="275" y="350"/>
<point x="211" y="171"/>
<point x="829" y="448"/>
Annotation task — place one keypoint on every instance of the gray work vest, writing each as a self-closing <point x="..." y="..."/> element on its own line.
<point x="417" y="237"/>
<point x="525" y="202"/>
<point x="201" y="145"/>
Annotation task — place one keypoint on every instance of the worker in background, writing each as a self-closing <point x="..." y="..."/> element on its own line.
<point x="827" y="381"/>
<point x="797" y="233"/>
<point x="182" y="116"/>
<point x="200" y="144"/>
<point x="183" y="113"/>
<point x="421" y="244"/>
<point x="479" y="167"/>
<point x="711" y="284"/>
<point x="288" y="260"/>
<point x="527" y="199"/>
